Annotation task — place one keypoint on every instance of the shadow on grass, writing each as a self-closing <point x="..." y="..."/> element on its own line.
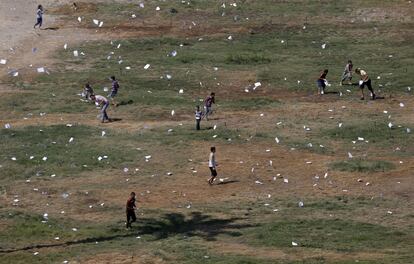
<point x="198" y="224"/>
<point x="50" y="28"/>
<point x="227" y="182"/>
<point x="116" y="119"/>
<point x="169" y="225"/>
<point x="126" y="102"/>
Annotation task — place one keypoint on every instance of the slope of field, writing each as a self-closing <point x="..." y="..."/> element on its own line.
<point x="302" y="178"/>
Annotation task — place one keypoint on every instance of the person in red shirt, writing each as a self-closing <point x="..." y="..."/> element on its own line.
<point x="130" y="210"/>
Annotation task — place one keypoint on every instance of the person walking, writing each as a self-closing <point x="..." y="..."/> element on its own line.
<point x="114" y="90"/>
<point x="212" y="164"/>
<point x="208" y="103"/>
<point x="347" y="75"/>
<point x="103" y="103"/>
<point x="88" y="91"/>
<point x="130" y="210"/>
<point x="39" y="16"/>
<point x="365" y="81"/>
<point x="321" y="82"/>
<point x="198" y="116"/>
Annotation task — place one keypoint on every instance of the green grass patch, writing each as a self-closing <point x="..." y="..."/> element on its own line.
<point x="247" y="59"/>
<point x="251" y="104"/>
<point x="359" y="165"/>
<point x="30" y="145"/>
<point x="27" y="230"/>
<point x="373" y="131"/>
<point x="337" y="234"/>
<point x="186" y="135"/>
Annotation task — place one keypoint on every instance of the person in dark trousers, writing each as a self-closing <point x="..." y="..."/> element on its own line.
<point x="347" y="75"/>
<point x="88" y="91"/>
<point x="130" y="210"/>
<point x="104" y="104"/>
<point x="114" y="90"/>
<point x="321" y="82"/>
<point x="208" y="103"/>
<point x="365" y="81"/>
<point x="198" y="116"/>
<point x="39" y="16"/>
<point x="212" y="164"/>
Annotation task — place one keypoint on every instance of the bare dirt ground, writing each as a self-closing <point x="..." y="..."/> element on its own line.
<point x="26" y="48"/>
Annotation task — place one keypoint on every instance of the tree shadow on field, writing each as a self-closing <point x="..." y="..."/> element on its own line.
<point x="197" y="224"/>
<point x="168" y="225"/>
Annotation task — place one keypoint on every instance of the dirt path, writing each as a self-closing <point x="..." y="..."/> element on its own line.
<point x="26" y="48"/>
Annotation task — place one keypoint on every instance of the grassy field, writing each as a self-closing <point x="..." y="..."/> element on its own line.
<point x="65" y="177"/>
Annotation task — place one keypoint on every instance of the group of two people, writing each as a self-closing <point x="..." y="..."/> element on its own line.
<point x="208" y="110"/>
<point x="100" y="100"/>
<point x="347" y="75"/>
<point x="131" y="206"/>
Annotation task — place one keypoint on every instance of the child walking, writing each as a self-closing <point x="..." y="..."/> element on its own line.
<point x="347" y="75"/>
<point x="208" y="103"/>
<point x="212" y="165"/>
<point x="39" y="16"/>
<point x="365" y="81"/>
<point x="114" y="90"/>
<point x="198" y="115"/>
<point x="321" y="82"/>
<point x="130" y="210"/>
<point x="88" y="91"/>
<point x="104" y="104"/>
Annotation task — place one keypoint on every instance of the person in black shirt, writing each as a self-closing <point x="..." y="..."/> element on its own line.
<point x="130" y="210"/>
<point x="321" y="82"/>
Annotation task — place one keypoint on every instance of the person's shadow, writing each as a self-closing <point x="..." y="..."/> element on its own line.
<point x="50" y="28"/>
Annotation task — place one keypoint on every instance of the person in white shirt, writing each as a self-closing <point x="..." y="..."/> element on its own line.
<point x="198" y="116"/>
<point x="104" y="104"/>
<point x="212" y="164"/>
<point x="365" y="81"/>
<point x="39" y="16"/>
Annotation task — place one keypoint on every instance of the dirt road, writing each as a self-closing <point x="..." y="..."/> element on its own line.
<point x="26" y="48"/>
